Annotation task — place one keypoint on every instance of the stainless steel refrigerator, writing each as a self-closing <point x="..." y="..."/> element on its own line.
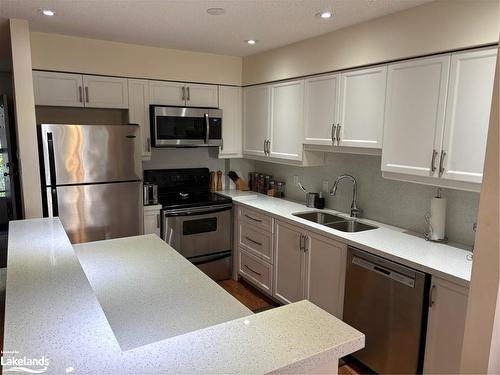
<point x="91" y="179"/>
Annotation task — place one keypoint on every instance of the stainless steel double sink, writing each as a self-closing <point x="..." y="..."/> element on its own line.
<point x="334" y="221"/>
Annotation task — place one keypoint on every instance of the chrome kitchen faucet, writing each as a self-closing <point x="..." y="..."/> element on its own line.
<point x="355" y="211"/>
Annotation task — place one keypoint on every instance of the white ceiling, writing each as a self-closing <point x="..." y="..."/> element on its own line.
<point x="186" y="25"/>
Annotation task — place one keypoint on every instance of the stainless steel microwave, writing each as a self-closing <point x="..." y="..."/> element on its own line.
<point x="185" y="127"/>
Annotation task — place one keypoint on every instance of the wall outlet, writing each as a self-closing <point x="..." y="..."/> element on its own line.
<point x="295" y="180"/>
<point x="326" y="186"/>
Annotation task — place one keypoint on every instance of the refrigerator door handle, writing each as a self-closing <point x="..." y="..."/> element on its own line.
<point x="52" y="170"/>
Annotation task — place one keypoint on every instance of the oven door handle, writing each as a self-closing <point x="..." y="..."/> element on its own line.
<point x="197" y="210"/>
<point x="204" y="259"/>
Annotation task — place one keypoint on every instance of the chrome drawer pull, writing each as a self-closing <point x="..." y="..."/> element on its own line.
<point x="255" y="272"/>
<point x="254" y="219"/>
<point x="255" y="242"/>
<point x="431" y="296"/>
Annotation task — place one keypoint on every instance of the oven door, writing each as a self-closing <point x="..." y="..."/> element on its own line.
<point x="199" y="231"/>
<point x="178" y="126"/>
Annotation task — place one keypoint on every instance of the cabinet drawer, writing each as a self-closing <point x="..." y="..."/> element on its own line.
<point x="256" y="218"/>
<point x="256" y="241"/>
<point x="256" y="271"/>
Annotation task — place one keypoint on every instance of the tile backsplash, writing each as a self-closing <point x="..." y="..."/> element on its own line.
<point x="397" y="203"/>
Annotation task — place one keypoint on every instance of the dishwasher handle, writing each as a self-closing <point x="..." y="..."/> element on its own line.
<point x="383" y="271"/>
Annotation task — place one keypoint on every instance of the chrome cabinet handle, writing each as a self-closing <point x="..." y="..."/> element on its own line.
<point x="306" y="238"/>
<point x="265" y="147"/>
<point x="158" y="221"/>
<point x="253" y="241"/>
<point x="338" y="133"/>
<point x="255" y="272"/>
<point x="87" y="93"/>
<point x="80" y="94"/>
<point x="431" y="296"/>
<point x="148" y="144"/>
<point x="441" y="162"/>
<point x="183" y="93"/>
<point x="268" y="147"/>
<point x="188" y="93"/>
<point x="254" y="219"/>
<point x="433" y="161"/>
<point x="334" y="127"/>
<point x="301" y="240"/>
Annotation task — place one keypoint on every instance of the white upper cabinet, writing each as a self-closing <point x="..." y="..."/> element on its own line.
<point x="230" y="101"/>
<point x="287" y="103"/>
<point x="138" y="112"/>
<point x="202" y="95"/>
<point x="183" y="94"/>
<point x="414" y="115"/>
<point x="362" y="103"/>
<point x="321" y="106"/>
<point x="468" y="114"/>
<point x="256" y="113"/>
<point x="76" y="90"/>
<point x="58" y="89"/>
<point x="167" y="93"/>
<point x="105" y="92"/>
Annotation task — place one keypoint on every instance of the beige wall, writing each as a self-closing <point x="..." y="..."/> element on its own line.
<point x="482" y="302"/>
<point x="24" y="107"/>
<point x="434" y="27"/>
<point x="73" y="54"/>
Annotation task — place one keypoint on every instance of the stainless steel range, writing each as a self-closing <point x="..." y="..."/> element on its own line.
<point x="195" y="222"/>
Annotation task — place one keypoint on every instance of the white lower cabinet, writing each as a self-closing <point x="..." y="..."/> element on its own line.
<point x="309" y="266"/>
<point x="152" y="220"/>
<point x="325" y="269"/>
<point x="445" y="327"/>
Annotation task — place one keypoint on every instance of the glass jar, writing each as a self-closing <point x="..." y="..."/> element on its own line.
<point x="271" y="191"/>
<point x="280" y="189"/>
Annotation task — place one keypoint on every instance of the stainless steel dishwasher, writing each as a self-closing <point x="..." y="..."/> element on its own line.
<point x="388" y="302"/>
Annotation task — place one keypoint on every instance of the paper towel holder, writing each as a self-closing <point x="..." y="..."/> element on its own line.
<point x="427" y="218"/>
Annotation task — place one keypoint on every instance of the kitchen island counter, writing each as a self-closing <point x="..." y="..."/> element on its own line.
<point x="77" y="321"/>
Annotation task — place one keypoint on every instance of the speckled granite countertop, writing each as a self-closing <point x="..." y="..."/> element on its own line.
<point x="53" y="311"/>
<point x="443" y="260"/>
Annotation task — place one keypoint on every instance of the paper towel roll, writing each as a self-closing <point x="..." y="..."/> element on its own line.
<point x="437" y="221"/>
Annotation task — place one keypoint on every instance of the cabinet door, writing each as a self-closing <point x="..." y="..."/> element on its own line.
<point x="138" y="112"/>
<point x="152" y="222"/>
<point x="202" y="95"/>
<point x="468" y="114"/>
<point x="230" y="102"/>
<point x="167" y="93"/>
<point x="289" y="264"/>
<point x="287" y="119"/>
<point x="414" y="115"/>
<point x="321" y="105"/>
<point x="256" y="110"/>
<point x="105" y="92"/>
<point x="445" y="327"/>
<point x="58" y="89"/>
<point x="326" y="264"/>
<point x="362" y="107"/>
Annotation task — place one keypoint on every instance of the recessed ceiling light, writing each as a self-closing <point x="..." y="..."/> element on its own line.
<point x="325" y="14"/>
<point x="216" y="11"/>
<point x="251" y="41"/>
<point x="48" y="12"/>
